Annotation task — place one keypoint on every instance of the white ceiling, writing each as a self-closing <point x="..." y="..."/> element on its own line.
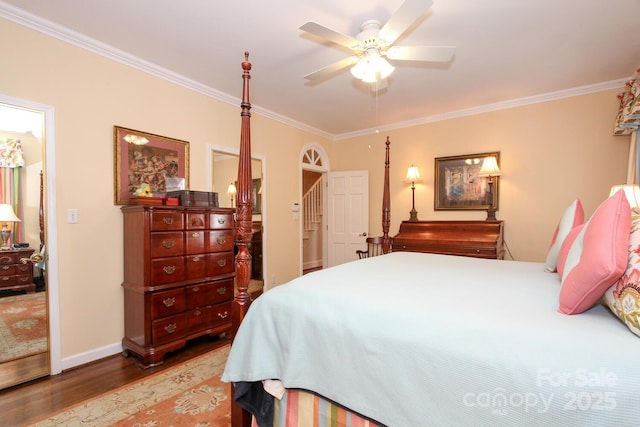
<point x="508" y="52"/>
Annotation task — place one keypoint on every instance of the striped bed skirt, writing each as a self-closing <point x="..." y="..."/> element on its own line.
<point x="299" y="408"/>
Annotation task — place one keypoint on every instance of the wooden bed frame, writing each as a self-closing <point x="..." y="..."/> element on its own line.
<point x="242" y="298"/>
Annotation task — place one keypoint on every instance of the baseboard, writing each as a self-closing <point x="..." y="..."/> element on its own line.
<point x="312" y="264"/>
<point x="91" y="356"/>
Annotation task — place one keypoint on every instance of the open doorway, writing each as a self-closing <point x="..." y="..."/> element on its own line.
<point x="314" y="166"/>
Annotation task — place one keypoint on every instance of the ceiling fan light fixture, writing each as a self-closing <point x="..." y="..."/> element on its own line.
<point x="372" y="67"/>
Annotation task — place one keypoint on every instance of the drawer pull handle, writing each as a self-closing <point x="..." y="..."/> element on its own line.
<point x="222" y="290"/>
<point x="169" y="269"/>
<point x="23" y="279"/>
<point x="168" y="244"/>
<point x="223" y="315"/>
<point x="4" y="267"/>
<point x="171" y="328"/>
<point x="221" y="240"/>
<point x="197" y="313"/>
<point x="195" y="259"/>
<point x="196" y="289"/>
<point x="221" y="220"/>
<point x="167" y="220"/>
<point x="222" y="262"/>
<point x="4" y="279"/>
<point x="168" y="302"/>
<point x="195" y="235"/>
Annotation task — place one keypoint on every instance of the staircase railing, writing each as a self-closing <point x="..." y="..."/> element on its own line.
<point x="312" y="204"/>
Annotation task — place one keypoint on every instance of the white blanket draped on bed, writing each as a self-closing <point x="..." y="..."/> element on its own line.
<point x="411" y="339"/>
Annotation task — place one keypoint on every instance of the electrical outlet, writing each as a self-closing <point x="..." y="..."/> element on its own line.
<point x="72" y="216"/>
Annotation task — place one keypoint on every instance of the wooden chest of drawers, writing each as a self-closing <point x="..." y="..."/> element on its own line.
<point x="480" y="239"/>
<point x="14" y="274"/>
<point x="178" y="277"/>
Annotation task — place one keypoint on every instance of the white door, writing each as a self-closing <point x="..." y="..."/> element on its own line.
<point x="348" y="215"/>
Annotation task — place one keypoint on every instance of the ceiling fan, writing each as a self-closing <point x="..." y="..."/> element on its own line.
<point x="375" y="41"/>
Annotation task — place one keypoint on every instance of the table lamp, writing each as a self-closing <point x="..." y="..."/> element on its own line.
<point x="491" y="170"/>
<point x="6" y="216"/>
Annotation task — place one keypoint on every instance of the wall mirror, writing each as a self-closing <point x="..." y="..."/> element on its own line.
<point x="224" y="174"/>
<point x="24" y="314"/>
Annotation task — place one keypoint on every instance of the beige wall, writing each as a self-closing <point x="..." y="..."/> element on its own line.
<point x="550" y="154"/>
<point x="91" y="94"/>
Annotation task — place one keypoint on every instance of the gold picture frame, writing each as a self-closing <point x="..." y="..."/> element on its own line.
<point x="142" y="157"/>
<point x="458" y="186"/>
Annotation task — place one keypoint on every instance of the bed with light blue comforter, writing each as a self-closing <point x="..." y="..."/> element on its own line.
<point x="412" y="339"/>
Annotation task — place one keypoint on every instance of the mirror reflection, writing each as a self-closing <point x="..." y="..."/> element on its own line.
<point x="23" y="297"/>
<point x="224" y="177"/>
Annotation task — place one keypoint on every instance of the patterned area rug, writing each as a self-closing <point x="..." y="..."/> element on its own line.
<point x="190" y="394"/>
<point x="23" y="325"/>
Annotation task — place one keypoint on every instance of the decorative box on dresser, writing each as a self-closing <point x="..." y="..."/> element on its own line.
<point x="178" y="277"/>
<point x="16" y="275"/>
<point x="480" y="239"/>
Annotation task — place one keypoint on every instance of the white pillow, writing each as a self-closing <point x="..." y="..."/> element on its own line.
<point x="572" y="217"/>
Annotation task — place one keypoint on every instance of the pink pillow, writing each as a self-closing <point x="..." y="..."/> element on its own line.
<point x="572" y="216"/>
<point x="597" y="257"/>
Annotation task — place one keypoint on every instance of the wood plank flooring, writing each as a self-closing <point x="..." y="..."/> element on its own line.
<point x="25" y="403"/>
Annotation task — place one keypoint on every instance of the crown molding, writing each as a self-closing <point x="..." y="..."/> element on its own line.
<point x="503" y="105"/>
<point x="67" y="35"/>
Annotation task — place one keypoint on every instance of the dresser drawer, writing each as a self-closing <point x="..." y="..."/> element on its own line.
<point x="168" y="329"/>
<point x="196" y="266"/>
<point x="10" y="258"/>
<point x="196" y="221"/>
<point x="199" y="318"/>
<point x="221" y="314"/>
<point x="167" y="303"/>
<point x="201" y="295"/>
<point x="18" y="279"/>
<point x="167" y="270"/>
<point x="220" y="241"/>
<point x="220" y="263"/>
<point x="219" y="221"/>
<point x="166" y="220"/>
<point x="166" y="244"/>
<point x="194" y="241"/>
<point x="8" y="270"/>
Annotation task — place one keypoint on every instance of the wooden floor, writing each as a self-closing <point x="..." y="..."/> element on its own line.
<point x="25" y="403"/>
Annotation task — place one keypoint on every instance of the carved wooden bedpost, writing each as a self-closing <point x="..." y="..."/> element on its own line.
<point x="386" y="204"/>
<point x="242" y="298"/>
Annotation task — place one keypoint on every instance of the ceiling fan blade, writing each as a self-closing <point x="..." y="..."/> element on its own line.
<point x="329" y="34"/>
<point x="330" y="69"/>
<point x="421" y="53"/>
<point x="408" y="13"/>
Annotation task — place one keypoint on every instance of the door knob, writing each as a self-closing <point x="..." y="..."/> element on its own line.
<point x="363" y="234"/>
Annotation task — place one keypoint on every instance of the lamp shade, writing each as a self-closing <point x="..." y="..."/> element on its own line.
<point x="413" y="174"/>
<point x="490" y="167"/>
<point x="631" y="192"/>
<point x="7" y="214"/>
<point x="231" y="190"/>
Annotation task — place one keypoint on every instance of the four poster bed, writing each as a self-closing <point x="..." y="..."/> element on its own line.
<point x="414" y="339"/>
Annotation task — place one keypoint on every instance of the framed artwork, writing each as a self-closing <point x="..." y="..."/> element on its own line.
<point x="159" y="163"/>
<point x="458" y="186"/>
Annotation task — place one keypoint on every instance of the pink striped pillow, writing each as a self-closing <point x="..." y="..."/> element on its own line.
<point x="597" y="257"/>
<point x="572" y="217"/>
